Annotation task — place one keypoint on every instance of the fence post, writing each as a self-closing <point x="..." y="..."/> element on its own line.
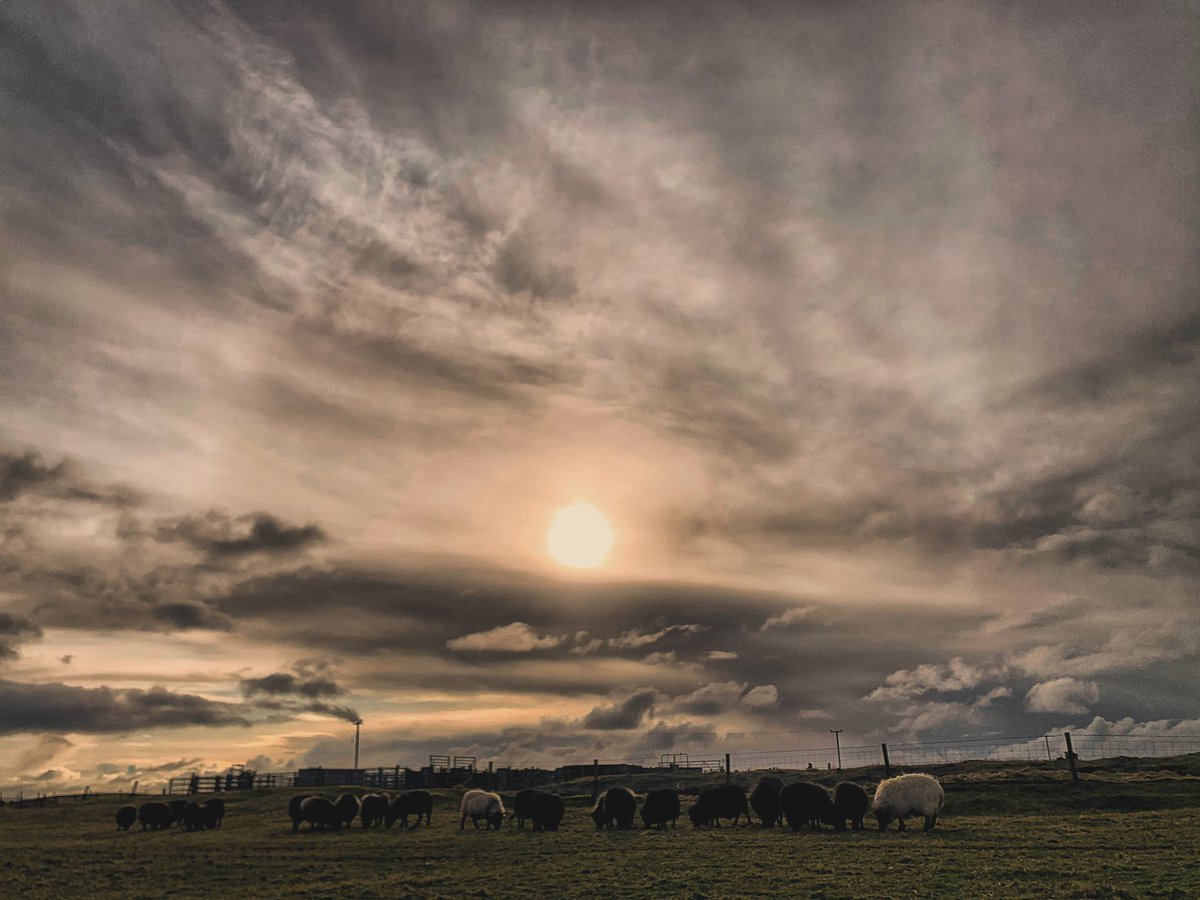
<point x="1049" y="757"/>
<point x="491" y="776"/>
<point x="727" y="768"/>
<point x="1071" y="756"/>
<point x="887" y="763"/>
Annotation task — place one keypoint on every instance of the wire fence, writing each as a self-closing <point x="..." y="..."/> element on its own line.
<point x="1063" y="749"/>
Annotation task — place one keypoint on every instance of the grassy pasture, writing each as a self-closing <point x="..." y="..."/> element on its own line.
<point x="1009" y="833"/>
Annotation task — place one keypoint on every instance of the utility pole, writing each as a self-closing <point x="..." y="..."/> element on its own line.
<point x="357" y="726"/>
<point x="837" y="737"/>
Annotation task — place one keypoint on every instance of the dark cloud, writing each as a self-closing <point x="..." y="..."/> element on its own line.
<point x="28" y="473"/>
<point x="298" y="691"/>
<point x="13" y="631"/>
<point x="287" y="683"/>
<point x="627" y="714"/>
<point x="221" y="536"/>
<point x="56" y="707"/>
<point x="191" y="615"/>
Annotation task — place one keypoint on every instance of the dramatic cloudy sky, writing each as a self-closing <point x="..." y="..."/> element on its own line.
<point x="873" y="329"/>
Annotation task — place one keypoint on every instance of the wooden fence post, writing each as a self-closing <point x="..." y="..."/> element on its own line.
<point x="727" y="768"/>
<point x="595" y="780"/>
<point x="1071" y="756"/>
<point x="887" y="763"/>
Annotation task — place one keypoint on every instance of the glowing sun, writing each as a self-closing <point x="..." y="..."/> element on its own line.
<point x="579" y="536"/>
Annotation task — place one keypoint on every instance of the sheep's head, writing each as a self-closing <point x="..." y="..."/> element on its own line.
<point x="696" y="815"/>
<point x="883" y="815"/>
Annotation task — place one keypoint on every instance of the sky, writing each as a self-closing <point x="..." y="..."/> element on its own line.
<point x="871" y="329"/>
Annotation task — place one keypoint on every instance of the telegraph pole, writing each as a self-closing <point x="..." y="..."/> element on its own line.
<point x="837" y="737"/>
<point x="357" y="726"/>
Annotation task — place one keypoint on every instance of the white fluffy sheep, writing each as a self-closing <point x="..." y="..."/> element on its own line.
<point x="477" y="804"/>
<point x="908" y="795"/>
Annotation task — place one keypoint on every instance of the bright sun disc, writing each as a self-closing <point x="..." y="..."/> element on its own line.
<point x="579" y="536"/>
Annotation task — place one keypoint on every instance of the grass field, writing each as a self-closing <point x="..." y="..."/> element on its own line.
<point x="1002" y="834"/>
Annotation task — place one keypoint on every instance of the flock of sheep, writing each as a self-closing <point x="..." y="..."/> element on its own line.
<point x="798" y="805"/>
<point x="191" y="815"/>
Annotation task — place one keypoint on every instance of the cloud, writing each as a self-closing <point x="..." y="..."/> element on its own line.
<point x="287" y="683"/>
<point x="625" y="715"/>
<point x="719" y="655"/>
<point x="185" y="616"/>
<point x="710" y="699"/>
<point x="957" y="675"/>
<point x="61" y="708"/>
<point x="787" y="618"/>
<point x="47" y="747"/>
<point x="761" y="696"/>
<point x="221" y="536"/>
<point x="635" y="638"/>
<point x="1065" y="695"/>
<point x="298" y="691"/>
<point x="27" y="473"/>
<point x="516" y="637"/>
<point x="13" y="631"/>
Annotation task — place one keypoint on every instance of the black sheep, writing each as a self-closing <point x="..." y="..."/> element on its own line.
<point x="726" y="801"/>
<point x="522" y="806"/>
<point x="321" y="814"/>
<point x="154" y="815"/>
<point x="199" y="816"/>
<point x="347" y="806"/>
<point x="177" y="807"/>
<point x="294" y="810"/>
<point x="374" y="809"/>
<point x="661" y="807"/>
<point x="851" y="802"/>
<point x="546" y="811"/>
<point x="216" y="811"/>
<point x="807" y="804"/>
<point x="615" y="808"/>
<point x="412" y="803"/>
<point x="764" y="800"/>
<point x="126" y="816"/>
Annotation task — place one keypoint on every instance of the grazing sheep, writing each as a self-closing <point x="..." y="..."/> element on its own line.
<point x="661" y="807"/>
<point x="477" y="804"/>
<point x="154" y="815"/>
<point x="321" y="814"/>
<point x="294" y="810"/>
<point x="199" y="816"/>
<point x="216" y="810"/>
<point x="374" y="809"/>
<point x="726" y="801"/>
<point x="807" y="804"/>
<point x="850" y="802"/>
<point x="413" y="803"/>
<point x="177" y="808"/>
<point x="522" y="809"/>
<point x="546" y="811"/>
<point x="908" y="795"/>
<point x="764" y="800"/>
<point x="615" y="808"/>
<point x="126" y="816"/>
<point x="347" y="806"/>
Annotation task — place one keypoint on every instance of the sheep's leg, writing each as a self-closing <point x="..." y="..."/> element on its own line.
<point x="900" y="824"/>
<point x="930" y="821"/>
<point x="463" y="823"/>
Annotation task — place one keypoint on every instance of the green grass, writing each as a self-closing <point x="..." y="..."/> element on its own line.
<point x="1003" y="834"/>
